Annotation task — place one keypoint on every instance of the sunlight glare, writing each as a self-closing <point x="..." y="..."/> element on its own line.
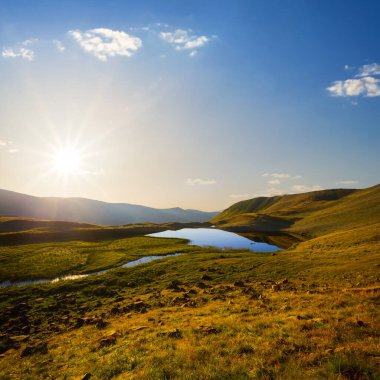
<point x="67" y="161"/>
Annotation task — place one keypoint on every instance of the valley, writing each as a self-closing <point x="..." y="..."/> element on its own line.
<point x="309" y="311"/>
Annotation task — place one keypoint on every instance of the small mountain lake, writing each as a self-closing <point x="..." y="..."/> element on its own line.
<point x="212" y="237"/>
<point x="204" y="237"/>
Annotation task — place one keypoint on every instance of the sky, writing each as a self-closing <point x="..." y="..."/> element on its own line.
<point x="195" y="104"/>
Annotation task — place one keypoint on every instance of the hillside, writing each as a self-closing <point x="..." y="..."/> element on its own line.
<point x="91" y="211"/>
<point x="311" y="214"/>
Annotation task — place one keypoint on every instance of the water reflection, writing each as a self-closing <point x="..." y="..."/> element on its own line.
<point x="212" y="237"/>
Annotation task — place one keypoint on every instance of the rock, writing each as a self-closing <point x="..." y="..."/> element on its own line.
<point x="101" y="324"/>
<point x="239" y="283"/>
<point x="171" y="334"/>
<point x="101" y="291"/>
<point x="80" y="322"/>
<point x="31" y="350"/>
<point x="205" y="277"/>
<point x="202" y="285"/>
<point x="208" y="330"/>
<point x="107" y="341"/>
<point x="276" y="288"/>
<point x="361" y="323"/>
<point x="174" y="285"/>
<point x="115" y="310"/>
<point x="86" y="376"/>
<point x="19" y="338"/>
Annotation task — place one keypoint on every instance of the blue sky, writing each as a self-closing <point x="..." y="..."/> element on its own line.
<point x="196" y="104"/>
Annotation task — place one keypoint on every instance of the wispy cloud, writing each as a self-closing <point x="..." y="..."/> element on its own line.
<point x="305" y="188"/>
<point x="20" y="50"/>
<point x="8" y="146"/>
<point x="199" y="181"/>
<point x="184" y="39"/>
<point x="268" y="193"/>
<point x="366" y="70"/>
<point x="281" y="175"/>
<point x="348" y="182"/>
<point x="59" y="46"/>
<point x="104" y="43"/>
<point x="24" y="53"/>
<point x="29" y="41"/>
<point x="239" y="196"/>
<point x="364" y="84"/>
<point x="278" y="177"/>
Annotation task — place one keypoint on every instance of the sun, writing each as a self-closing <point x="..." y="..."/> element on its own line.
<point x="67" y="161"/>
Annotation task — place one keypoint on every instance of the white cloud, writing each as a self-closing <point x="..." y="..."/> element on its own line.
<point x="24" y="53"/>
<point x="348" y="182"/>
<point x="281" y="176"/>
<point x="304" y="188"/>
<point x="59" y="46"/>
<point x="364" y="84"/>
<point x="274" y="182"/>
<point x="367" y="70"/>
<point x="29" y="41"/>
<point x="183" y="39"/>
<point x="8" y="146"/>
<point x="104" y="43"/>
<point x="237" y="196"/>
<point x="272" y="192"/>
<point x="193" y="53"/>
<point x="199" y="181"/>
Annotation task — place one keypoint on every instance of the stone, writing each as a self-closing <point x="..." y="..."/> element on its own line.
<point x="101" y="291"/>
<point x="239" y="283"/>
<point x="208" y="330"/>
<point x="80" y="322"/>
<point x="107" y="341"/>
<point x="86" y="376"/>
<point x="101" y="324"/>
<point x="31" y="350"/>
<point x="171" y="334"/>
<point x="206" y="277"/>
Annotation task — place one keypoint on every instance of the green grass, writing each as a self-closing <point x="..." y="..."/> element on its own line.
<point x="321" y="323"/>
<point x="310" y="214"/>
<point x="50" y="260"/>
<point x="308" y="312"/>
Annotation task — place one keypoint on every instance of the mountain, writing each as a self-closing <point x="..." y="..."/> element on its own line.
<point x="91" y="211"/>
<point x="311" y="214"/>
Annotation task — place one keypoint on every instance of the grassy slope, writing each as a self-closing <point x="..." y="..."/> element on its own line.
<point x="322" y="322"/>
<point x="313" y="213"/>
<point x="17" y="231"/>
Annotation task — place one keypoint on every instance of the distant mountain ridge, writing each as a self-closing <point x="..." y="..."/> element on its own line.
<point x="85" y="210"/>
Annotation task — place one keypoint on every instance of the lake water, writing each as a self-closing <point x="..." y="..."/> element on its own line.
<point x="71" y="277"/>
<point x="212" y="237"/>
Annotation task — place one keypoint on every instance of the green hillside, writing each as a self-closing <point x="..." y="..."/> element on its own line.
<point x="312" y="214"/>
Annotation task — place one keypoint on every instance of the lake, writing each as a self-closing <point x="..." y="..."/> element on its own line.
<point x="212" y="237"/>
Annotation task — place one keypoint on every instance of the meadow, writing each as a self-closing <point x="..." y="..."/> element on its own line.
<point x="307" y="312"/>
<point x="206" y="314"/>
